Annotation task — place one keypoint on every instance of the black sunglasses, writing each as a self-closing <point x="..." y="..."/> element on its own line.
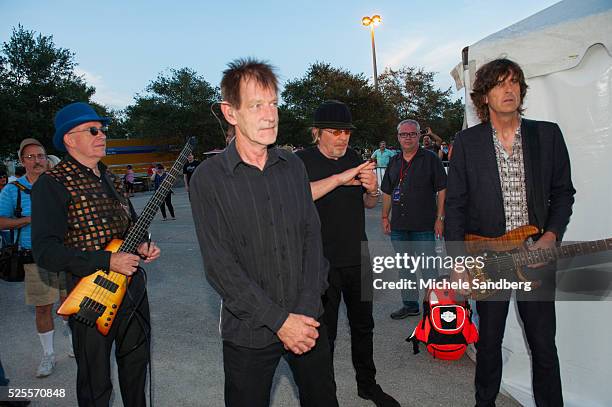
<point x="92" y="130"/>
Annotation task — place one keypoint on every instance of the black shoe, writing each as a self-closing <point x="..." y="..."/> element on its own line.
<point x="405" y="312"/>
<point x="378" y="396"/>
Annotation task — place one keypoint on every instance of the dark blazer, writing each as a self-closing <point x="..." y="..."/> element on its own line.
<point x="474" y="202"/>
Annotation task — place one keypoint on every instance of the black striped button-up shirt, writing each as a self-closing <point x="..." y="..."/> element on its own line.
<point x="260" y="238"/>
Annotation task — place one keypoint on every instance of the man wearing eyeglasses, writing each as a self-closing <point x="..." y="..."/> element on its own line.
<point x="76" y="211"/>
<point x="414" y="188"/>
<point x="42" y="288"/>
<point x="342" y="186"/>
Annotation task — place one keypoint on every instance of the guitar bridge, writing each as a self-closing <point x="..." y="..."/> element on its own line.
<point x="90" y="310"/>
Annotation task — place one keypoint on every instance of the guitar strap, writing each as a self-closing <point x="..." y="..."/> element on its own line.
<point x="124" y="202"/>
<point x="533" y="142"/>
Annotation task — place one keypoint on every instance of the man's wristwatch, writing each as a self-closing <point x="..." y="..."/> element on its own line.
<point x="441" y="218"/>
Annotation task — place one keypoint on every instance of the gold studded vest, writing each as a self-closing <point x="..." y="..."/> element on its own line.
<point x="94" y="217"/>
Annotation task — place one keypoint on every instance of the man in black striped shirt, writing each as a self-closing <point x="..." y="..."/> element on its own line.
<point x="260" y="238"/>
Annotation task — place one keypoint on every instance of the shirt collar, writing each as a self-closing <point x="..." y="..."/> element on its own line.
<point x="101" y="166"/>
<point x="420" y="151"/>
<point x="515" y="145"/>
<point x="233" y="159"/>
<point x="517" y="132"/>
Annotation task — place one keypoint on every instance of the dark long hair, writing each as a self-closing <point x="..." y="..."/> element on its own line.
<point x="488" y="76"/>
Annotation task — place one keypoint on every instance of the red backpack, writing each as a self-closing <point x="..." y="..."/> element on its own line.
<point x="446" y="327"/>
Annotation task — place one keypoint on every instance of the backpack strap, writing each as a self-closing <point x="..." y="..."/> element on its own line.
<point x="18" y="208"/>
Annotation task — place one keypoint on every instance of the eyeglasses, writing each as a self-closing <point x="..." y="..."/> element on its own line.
<point x="32" y="157"/>
<point x="338" y="132"/>
<point x="412" y="134"/>
<point x="92" y="130"/>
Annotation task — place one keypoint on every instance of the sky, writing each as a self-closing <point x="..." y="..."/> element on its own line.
<point x="121" y="46"/>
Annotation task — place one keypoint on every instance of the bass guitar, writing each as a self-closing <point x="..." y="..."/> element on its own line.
<point x="97" y="297"/>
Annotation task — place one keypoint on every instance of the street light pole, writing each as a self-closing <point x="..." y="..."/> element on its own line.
<point x="372" y="22"/>
<point x="374" y="58"/>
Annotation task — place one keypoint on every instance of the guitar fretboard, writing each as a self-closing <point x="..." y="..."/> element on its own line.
<point x="524" y="258"/>
<point x="138" y="231"/>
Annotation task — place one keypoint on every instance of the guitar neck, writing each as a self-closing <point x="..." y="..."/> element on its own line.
<point x="525" y="258"/>
<point x="137" y="232"/>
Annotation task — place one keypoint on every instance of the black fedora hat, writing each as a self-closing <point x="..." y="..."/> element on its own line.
<point x="333" y="114"/>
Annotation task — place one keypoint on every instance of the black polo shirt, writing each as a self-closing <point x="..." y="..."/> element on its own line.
<point x="341" y="210"/>
<point x="260" y="238"/>
<point x="424" y="177"/>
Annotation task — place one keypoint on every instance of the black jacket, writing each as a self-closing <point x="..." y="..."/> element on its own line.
<point x="474" y="202"/>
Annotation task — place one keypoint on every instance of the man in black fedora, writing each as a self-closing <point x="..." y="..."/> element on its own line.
<point x="342" y="186"/>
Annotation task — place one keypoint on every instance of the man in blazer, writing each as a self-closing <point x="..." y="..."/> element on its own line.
<point x="505" y="173"/>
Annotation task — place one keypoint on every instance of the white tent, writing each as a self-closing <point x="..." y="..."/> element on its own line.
<point x="566" y="53"/>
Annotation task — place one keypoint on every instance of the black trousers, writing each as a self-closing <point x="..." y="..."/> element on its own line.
<point x="540" y="327"/>
<point x="167" y="201"/>
<point x="347" y="282"/>
<point x="249" y="373"/>
<point x="92" y="351"/>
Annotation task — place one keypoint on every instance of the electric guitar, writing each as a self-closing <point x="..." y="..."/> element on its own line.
<point x="505" y="257"/>
<point x="97" y="297"/>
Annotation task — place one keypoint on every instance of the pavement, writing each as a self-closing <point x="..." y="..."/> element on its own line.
<point x="187" y="366"/>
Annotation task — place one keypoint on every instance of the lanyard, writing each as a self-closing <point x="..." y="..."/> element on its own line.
<point x="402" y="172"/>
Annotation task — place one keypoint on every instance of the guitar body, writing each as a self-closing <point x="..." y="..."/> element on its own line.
<point x="512" y="240"/>
<point x="97" y="297"/>
<point x="498" y="264"/>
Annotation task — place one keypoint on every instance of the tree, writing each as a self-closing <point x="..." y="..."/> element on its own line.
<point x="412" y="93"/>
<point x="372" y="115"/>
<point x="176" y="105"/>
<point x="36" y="80"/>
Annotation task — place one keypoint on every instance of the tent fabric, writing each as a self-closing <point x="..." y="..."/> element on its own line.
<point x="552" y="40"/>
<point x="576" y="93"/>
<point x="580" y="101"/>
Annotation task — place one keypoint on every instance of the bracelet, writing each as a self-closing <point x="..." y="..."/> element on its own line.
<point x="385" y="217"/>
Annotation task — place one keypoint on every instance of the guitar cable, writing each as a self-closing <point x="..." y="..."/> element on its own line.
<point x="142" y="322"/>
<point x="145" y="327"/>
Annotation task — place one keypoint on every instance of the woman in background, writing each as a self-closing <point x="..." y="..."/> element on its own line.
<point x="158" y="178"/>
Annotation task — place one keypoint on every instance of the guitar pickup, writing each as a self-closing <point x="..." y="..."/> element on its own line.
<point x="106" y="284"/>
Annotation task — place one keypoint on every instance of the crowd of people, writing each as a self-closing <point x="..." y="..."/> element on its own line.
<point x="285" y="304"/>
<point x="283" y="260"/>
